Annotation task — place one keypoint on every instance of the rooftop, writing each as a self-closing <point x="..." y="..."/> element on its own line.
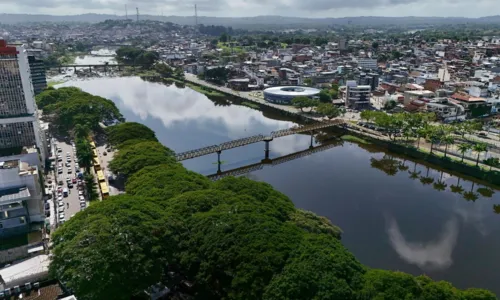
<point x="14" y="194"/>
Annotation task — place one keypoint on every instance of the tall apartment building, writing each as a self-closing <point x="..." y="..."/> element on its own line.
<point x="37" y="70"/>
<point x="19" y="123"/>
<point x="357" y="96"/>
<point x="21" y="201"/>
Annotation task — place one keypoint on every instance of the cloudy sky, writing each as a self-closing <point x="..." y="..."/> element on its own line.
<point x="245" y="8"/>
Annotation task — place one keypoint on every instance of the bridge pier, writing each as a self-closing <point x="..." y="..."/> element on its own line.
<point x="60" y="70"/>
<point x="90" y="68"/>
<point x="312" y="137"/>
<point x="74" y="69"/>
<point x="266" y="149"/>
<point x="218" y="161"/>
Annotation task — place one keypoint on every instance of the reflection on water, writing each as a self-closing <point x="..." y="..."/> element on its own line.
<point x="429" y="256"/>
<point x="94" y="60"/>
<point x="395" y="213"/>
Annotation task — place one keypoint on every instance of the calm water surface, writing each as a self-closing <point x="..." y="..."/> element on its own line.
<point x="390" y="220"/>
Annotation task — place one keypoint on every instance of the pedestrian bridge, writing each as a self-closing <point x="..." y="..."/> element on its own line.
<point x="255" y="139"/>
<point x="271" y="162"/>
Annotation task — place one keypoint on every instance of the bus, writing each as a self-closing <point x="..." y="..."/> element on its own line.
<point x="100" y="176"/>
<point x="104" y="189"/>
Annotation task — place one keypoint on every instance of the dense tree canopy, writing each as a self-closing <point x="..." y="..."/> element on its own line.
<point x="120" y="133"/>
<point x="139" y="56"/>
<point x="110" y="250"/>
<point x="231" y="239"/>
<point x="68" y="107"/>
<point x="134" y="157"/>
<point x="165" y="181"/>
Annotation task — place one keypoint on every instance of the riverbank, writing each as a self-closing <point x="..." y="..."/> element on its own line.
<point x="436" y="158"/>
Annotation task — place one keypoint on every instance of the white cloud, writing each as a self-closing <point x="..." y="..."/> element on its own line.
<point x="430" y="255"/>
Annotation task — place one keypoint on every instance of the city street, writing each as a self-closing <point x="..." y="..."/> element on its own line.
<point x="71" y="202"/>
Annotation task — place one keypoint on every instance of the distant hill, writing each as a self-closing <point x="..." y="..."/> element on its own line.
<point x="258" y="21"/>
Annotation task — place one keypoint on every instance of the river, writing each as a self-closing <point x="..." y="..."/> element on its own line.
<point x="389" y="220"/>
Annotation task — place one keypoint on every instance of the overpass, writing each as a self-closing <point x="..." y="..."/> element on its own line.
<point x="255" y="139"/>
<point x="270" y="162"/>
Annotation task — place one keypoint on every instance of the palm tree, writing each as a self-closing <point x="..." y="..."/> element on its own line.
<point x="464" y="148"/>
<point x="458" y="189"/>
<point x="420" y="133"/>
<point x="426" y="179"/>
<point x="440" y="185"/>
<point x="479" y="147"/>
<point x="414" y="174"/>
<point x="486" y="192"/>
<point x="470" y="195"/>
<point x="402" y="166"/>
<point x="447" y="140"/>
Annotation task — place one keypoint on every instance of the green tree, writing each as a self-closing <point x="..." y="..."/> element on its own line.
<point x="464" y="147"/>
<point x="110" y="251"/>
<point x="389" y="285"/>
<point x="165" y="181"/>
<point x="120" y="133"/>
<point x="131" y="159"/>
<point x="303" y="102"/>
<point x="447" y="140"/>
<point x="478" y="148"/>
<point x="328" y="110"/>
<point x="84" y="153"/>
<point x="308" y="81"/>
<point x="492" y="162"/>
<point x="224" y="38"/>
<point x="91" y="186"/>
<point x="324" y="96"/>
<point x="164" y="70"/>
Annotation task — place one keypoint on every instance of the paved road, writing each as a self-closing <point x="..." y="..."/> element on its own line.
<point x="104" y="160"/>
<point x="71" y="203"/>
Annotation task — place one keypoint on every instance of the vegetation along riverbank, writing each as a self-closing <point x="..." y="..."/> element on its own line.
<point x="231" y="239"/>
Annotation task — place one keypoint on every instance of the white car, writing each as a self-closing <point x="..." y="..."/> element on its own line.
<point x="60" y="203"/>
<point x="61" y="217"/>
<point x="61" y="209"/>
<point x="81" y="198"/>
<point x="80" y="193"/>
<point x="68" y="164"/>
<point x="59" y="171"/>
<point x="70" y="170"/>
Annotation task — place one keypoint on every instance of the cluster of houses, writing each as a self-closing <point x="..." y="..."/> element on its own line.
<point x="456" y="80"/>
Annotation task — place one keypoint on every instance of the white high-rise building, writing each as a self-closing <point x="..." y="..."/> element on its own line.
<point x="19" y="123"/>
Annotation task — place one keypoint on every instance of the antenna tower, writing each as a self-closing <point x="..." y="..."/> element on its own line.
<point x="126" y="12"/>
<point x="137" y="10"/>
<point x="195" y="16"/>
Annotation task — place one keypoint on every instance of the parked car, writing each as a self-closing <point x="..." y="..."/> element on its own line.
<point x="73" y="180"/>
<point x="61" y="217"/>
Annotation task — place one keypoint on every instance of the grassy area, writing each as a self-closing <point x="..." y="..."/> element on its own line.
<point x="12" y="242"/>
<point x="352" y="138"/>
<point x="55" y="82"/>
<point x="204" y="90"/>
<point x="251" y="105"/>
<point x="170" y="79"/>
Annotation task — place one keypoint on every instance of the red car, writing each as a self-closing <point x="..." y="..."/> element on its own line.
<point x="74" y="180"/>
